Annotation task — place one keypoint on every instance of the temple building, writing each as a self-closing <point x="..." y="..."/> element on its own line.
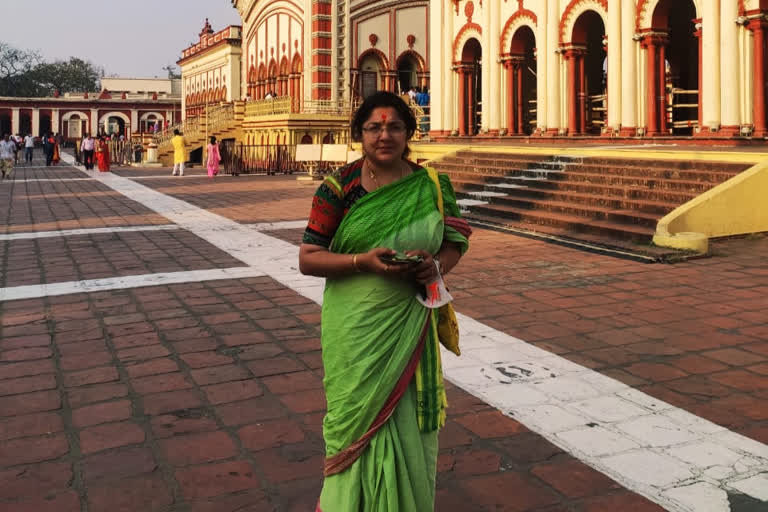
<point x="613" y="68"/>
<point x="124" y="106"/>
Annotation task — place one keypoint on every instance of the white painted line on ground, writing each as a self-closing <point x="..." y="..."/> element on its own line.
<point x="89" y="231"/>
<point x="276" y="226"/>
<point x="32" y="180"/>
<point x="676" y="459"/>
<point x="120" y="283"/>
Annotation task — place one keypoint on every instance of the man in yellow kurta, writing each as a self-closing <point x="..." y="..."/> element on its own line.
<point x="179" y="153"/>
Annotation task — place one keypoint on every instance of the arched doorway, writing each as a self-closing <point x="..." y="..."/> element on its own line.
<point x="74" y="125"/>
<point x="673" y="69"/>
<point x="306" y="139"/>
<point x="587" y="70"/>
<point x="371" y="74"/>
<point x="521" y="82"/>
<point x="407" y="69"/>
<point x="470" y="88"/>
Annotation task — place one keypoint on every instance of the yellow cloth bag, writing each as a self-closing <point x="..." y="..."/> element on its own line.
<point x="447" y="324"/>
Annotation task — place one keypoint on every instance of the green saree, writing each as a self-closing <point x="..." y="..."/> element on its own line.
<point x="371" y="326"/>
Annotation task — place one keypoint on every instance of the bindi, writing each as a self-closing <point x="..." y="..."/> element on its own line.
<point x="384" y="118"/>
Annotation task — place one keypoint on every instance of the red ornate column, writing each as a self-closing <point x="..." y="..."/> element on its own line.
<point x="463" y="103"/>
<point x="511" y="125"/>
<point x="582" y="94"/>
<point x="470" y="74"/>
<point x="520" y="106"/>
<point x="663" y="87"/>
<point x="652" y="97"/>
<point x="570" y="57"/>
<point x="758" y="27"/>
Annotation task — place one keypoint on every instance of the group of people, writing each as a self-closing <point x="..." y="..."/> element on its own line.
<point x="97" y="148"/>
<point x="26" y="143"/>
<point x="419" y="96"/>
<point x="180" y="155"/>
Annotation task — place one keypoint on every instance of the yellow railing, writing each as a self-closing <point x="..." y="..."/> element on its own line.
<point x="287" y="105"/>
<point x="190" y="127"/>
<point x="268" y="107"/>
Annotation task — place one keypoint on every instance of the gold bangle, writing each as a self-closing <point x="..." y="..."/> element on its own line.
<point x="354" y="263"/>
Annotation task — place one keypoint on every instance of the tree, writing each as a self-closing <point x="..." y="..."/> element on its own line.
<point x="16" y="67"/>
<point x="73" y="75"/>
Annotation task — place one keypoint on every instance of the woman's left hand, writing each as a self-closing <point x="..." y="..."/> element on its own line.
<point x="425" y="271"/>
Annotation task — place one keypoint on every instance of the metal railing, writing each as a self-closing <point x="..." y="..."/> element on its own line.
<point x="258" y="159"/>
<point x="598" y="109"/>
<point x="682" y="109"/>
<point x="268" y="107"/>
<point x="190" y="127"/>
<point x="288" y="105"/>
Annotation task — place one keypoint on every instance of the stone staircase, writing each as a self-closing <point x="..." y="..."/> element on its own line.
<point x="223" y="121"/>
<point x="602" y="200"/>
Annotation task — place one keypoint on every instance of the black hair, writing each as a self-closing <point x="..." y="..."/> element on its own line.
<point x="212" y="139"/>
<point x="176" y="132"/>
<point x="378" y="100"/>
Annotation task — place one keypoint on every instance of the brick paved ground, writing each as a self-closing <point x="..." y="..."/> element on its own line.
<point x="207" y="396"/>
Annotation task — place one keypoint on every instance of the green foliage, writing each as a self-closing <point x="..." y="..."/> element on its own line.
<point x="24" y="73"/>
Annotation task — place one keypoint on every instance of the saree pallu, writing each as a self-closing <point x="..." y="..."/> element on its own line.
<point x="371" y="326"/>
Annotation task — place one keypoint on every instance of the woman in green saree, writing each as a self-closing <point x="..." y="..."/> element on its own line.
<point x="383" y="378"/>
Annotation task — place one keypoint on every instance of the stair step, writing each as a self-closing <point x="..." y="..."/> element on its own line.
<point x="573" y="223"/>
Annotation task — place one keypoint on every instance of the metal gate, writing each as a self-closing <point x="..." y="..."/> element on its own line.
<point x="258" y="158"/>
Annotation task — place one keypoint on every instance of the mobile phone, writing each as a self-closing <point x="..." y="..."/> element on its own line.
<point x="400" y="258"/>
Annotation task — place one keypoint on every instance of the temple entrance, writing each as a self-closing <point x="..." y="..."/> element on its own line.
<point x="587" y="71"/>
<point x="45" y="124"/>
<point x="370" y="75"/>
<point x="470" y="88"/>
<point x="676" y="77"/>
<point x="407" y="67"/>
<point x="521" y="83"/>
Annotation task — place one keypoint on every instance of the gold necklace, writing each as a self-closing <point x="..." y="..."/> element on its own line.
<point x="373" y="175"/>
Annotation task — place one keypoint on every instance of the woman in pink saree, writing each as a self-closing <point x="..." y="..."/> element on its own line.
<point x="214" y="157"/>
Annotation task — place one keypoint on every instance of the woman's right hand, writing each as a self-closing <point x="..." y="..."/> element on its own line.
<point x="373" y="261"/>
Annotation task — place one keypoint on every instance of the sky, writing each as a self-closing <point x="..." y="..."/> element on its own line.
<point x="129" y="38"/>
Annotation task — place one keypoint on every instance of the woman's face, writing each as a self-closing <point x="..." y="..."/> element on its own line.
<point x="384" y="136"/>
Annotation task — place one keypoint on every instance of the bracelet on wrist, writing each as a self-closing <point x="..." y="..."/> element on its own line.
<point x="354" y="263"/>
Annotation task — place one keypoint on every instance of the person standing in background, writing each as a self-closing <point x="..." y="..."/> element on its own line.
<point x="214" y="157"/>
<point x="87" y="147"/>
<point x="29" y="146"/>
<point x="179" y="153"/>
<point x="48" y="146"/>
<point x="6" y="155"/>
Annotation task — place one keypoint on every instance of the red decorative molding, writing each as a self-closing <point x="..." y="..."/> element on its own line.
<point x="522" y="13"/>
<point x="571" y="7"/>
<point x="411" y="39"/>
<point x="419" y="59"/>
<point x="456" y="6"/>
<point x="469" y="10"/>
<point x="379" y="55"/>
<point x="466" y="28"/>
<point x="373" y="39"/>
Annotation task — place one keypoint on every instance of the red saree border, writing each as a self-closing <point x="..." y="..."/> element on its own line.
<point x="345" y="458"/>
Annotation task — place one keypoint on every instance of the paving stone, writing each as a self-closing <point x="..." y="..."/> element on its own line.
<point x="110" y="435"/>
<point x="145" y="492"/>
<point x="183" y="450"/>
<point x="33" y="449"/>
<point x="30" y="425"/>
<point x="118" y="464"/>
<point x="216" y="479"/>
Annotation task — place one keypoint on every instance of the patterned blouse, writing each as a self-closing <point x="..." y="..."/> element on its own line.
<point x="333" y="200"/>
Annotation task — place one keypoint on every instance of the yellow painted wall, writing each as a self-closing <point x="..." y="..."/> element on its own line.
<point x="736" y="207"/>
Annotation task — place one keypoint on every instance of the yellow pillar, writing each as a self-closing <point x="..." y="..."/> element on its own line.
<point x="615" y="37"/>
<point x="553" y="67"/>
<point x="628" y="69"/>
<point x="711" y="65"/>
<point x="730" y="97"/>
